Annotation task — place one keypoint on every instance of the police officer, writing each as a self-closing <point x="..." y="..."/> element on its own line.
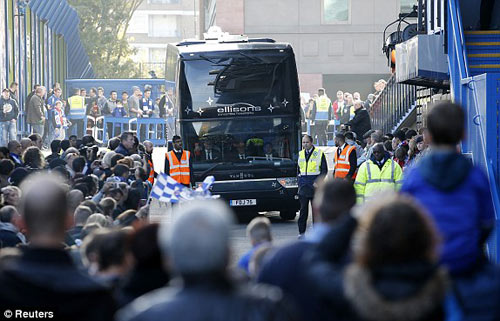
<point x="179" y="164"/>
<point x="312" y="164"/>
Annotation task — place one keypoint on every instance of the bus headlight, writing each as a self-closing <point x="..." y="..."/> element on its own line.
<point x="288" y="182"/>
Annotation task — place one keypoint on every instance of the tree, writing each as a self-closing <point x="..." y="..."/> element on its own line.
<point x="103" y="25"/>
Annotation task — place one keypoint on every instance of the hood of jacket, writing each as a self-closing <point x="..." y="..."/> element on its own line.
<point x="445" y="170"/>
<point x="409" y="294"/>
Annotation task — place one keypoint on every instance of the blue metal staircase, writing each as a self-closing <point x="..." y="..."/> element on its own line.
<point x="474" y="67"/>
<point x="483" y="51"/>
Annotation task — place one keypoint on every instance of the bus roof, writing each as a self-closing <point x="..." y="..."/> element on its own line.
<point x="196" y="46"/>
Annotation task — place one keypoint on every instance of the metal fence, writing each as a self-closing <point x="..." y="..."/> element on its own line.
<point x="393" y="105"/>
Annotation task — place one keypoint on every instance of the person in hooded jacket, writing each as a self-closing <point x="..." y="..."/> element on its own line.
<point x="390" y="278"/>
<point x="457" y="196"/>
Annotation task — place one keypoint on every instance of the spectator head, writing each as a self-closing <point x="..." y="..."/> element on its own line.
<point x="107" y="206"/>
<point x="421" y="145"/>
<point x="140" y="173"/>
<point x="11" y="195"/>
<point x="15" y="147"/>
<point x="72" y="141"/>
<point x="36" y="140"/>
<point x="121" y="170"/>
<point x="44" y="208"/>
<point x="64" y="144"/>
<point x="113" y="143"/>
<point x="334" y="198"/>
<point x="9" y="214"/>
<point x="33" y="158"/>
<point x="100" y="91"/>
<point x="82" y="187"/>
<point x="93" y="92"/>
<point x="113" y="95"/>
<point x="4" y="152"/>
<point x="115" y="158"/>
<point x="78" y="164"/>
<point x="41" y="91"/>
<point x="145" y="247"/>
<point x="321" y="91"/>
<point x="412" y="238"/>
<point x="358" y="104"/>
<point x="340" y="95"/>
<point x="148" y="147"/>
<point x="57" y="92"/>
<point x="401" y="153"/>
<point x="339" y="139"/>
<point x="388" y="145"/>
<point x="349" y="136"/>
<point x="106" y="160"/>
<point x="376" y="137"/>
<point x="147" y="93"/>
<point x="399" y="137"/>
<point x="108" y="251"/>
<point x="124" y="95"/>
<point x="76" y="91"/>
<point x="100" y="219"/>
<point x="137" y="91"/>
<point x="88" y="140"/>
<point x="127" y="140"/>
<point x="75" y="197"/>
<point x="116" y="194"/>
<point x="445" y="124"/>
<point x="349" y="99"/>
<point x="6" y="167"/>
<point x="92" y="205"/>
<point x="18" y="175"/>
<point x="25" y="143"/>
<point x="82" y="213"/>
<point x="410" y="133"/>
<point x="5" y="93"/>
<point x="201" y="229"/>
<point x="83" y="92"/>
<point x="259" y="231"/>
<point x="126" y="218"/>
<point x="356" y="96"/>
<point x="13" y="86"/>
<point x="55" y="146"/>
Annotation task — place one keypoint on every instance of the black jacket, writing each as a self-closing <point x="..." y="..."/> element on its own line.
<point x="209" y="301"/>
<point x="12" y="114"/>
<point x="122" y="150"/>
<point x="47" y="280"/>
<point x="360" y="123"/>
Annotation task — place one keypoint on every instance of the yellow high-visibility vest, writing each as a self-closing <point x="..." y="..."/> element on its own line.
<point x="313" y="165"/>
<point x="372" y="180"/>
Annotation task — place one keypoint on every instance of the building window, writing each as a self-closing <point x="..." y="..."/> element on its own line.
<point x="336" y="11"/>
<point x="162" y="26"/>
<point x="157" y="55"/>
<point x="406" y="6"/>
<point x="163" y="1"/>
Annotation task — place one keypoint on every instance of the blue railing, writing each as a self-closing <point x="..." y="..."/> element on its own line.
<point x="478" y="95"/>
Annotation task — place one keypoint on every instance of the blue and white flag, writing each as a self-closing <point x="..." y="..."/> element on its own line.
<point x="167" y="189"/>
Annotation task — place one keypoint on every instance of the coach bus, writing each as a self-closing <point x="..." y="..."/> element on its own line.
<point x="238" y="112"/>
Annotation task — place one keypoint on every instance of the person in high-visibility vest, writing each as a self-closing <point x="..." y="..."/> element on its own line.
<point x="148" y="156"/>
<point x="345" y="160"/>
<point x="322" y="113"/>
<point x="378" y="174"/>
<point x="311" y="165"/>
<point x="178" y="163"/>
<point x="75" y="110"/>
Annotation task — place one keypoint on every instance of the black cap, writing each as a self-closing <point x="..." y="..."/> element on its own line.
<point x="400" y="134"/>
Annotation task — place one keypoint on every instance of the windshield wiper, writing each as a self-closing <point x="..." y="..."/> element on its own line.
<point x="208" y="170"/>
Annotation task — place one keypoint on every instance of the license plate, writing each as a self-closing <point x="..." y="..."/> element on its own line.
<point x="248" y="202"/>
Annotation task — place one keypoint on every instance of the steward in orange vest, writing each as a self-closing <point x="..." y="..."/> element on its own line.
<point x="345" y="160"/>
<point x="150" y="169"/>
<point x="178" y="163"/>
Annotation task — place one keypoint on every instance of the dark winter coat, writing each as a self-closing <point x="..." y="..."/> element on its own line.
<point x="360" y="123"/>
<point x="47" y="280"/>
<point x="12" y="114"/>
<point x="35" y="110"/>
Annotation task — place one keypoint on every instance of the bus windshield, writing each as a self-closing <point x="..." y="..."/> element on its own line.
<point x="229" y="78"/>
<point x="258" y="140"/>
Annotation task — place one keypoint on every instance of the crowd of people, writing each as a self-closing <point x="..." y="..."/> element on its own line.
<point x="348" y="110"/>
<point x="55" y="117"/>
<point x="77" y="242"/>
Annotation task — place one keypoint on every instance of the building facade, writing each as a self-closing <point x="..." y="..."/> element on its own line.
<point x="337" y="43"/>
<point x="156" y="23"/>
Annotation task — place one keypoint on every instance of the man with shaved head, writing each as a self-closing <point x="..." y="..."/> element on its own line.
<point x="44" y="277"/>
<point x="148" y="161"/>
